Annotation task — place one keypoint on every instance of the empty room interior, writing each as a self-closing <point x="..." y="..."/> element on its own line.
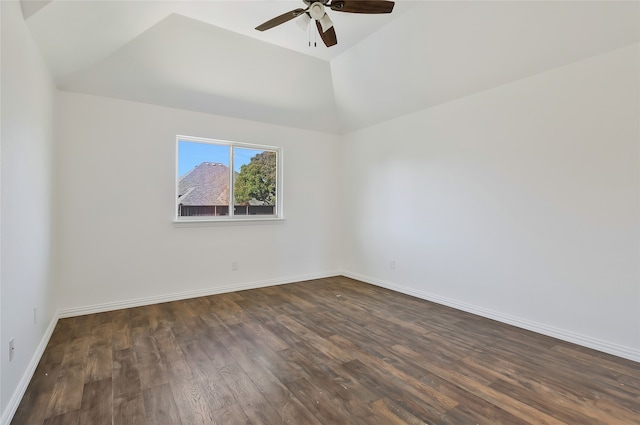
<point x="450" y="235"/>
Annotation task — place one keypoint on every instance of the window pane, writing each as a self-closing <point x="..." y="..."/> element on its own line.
<point x="203" y="179"/>
<point x="254" y="185"/>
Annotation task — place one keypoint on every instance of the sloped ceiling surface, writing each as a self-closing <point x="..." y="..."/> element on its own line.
<point x="205" y="55"/>
<point x="188" y="64"/>
<point x="453" y="49"/>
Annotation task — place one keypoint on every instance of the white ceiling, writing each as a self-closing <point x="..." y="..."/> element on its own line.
<point x="206" y="56"/>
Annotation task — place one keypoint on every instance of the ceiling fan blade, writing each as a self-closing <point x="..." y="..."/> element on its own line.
<point x="362" y="6"/>
<point x="280" y="19"/>
<point x="329" y="36"/>
<point x="325" y="22"/>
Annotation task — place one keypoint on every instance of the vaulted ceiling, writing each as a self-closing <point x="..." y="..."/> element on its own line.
<point x="206" y="56"/>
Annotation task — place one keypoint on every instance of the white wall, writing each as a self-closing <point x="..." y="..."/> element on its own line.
<point x="26" y="202"/>
<point x="520" y="203"/>
<point x="115" y="240"/>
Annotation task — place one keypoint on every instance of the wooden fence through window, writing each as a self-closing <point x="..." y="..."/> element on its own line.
<point x="222" y="210"/>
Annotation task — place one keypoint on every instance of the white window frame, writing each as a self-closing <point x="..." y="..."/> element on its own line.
<point x="231" y="217"/>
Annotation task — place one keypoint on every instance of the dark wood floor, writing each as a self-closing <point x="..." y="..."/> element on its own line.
<point x="330" y="351"/>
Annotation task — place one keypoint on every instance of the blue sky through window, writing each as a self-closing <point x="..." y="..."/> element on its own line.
<point x="243" y="156"/>
<point x="191" y="154"/>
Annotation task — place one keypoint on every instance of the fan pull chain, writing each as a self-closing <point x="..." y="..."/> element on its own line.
<point x="310" y="30"/>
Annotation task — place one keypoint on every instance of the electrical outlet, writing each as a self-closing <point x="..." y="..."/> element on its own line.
<point x="234" y="265"/>
<point x="392" y="264"/>
<point x="12" y="349"/>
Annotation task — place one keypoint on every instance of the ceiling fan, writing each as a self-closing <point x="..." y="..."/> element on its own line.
<point x="316" y="10"/>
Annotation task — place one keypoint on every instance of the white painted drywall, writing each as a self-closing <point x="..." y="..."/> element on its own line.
<point x="26" y="192"/>
<point x="115" y="240"/>
<point x="522" y="200"/>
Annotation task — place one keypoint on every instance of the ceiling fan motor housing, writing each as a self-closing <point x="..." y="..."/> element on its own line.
<point x="310" y="2"/>
<point x="316" y="10"/>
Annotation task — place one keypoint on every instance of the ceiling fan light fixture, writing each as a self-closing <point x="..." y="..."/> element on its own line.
<point x="303" y="21"/>
<point x="316" y="10"/>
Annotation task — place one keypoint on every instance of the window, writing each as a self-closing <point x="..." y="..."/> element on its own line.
<point x="222" y="180"/>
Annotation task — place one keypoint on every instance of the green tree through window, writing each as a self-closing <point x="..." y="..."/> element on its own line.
<point x="256" y="182"/>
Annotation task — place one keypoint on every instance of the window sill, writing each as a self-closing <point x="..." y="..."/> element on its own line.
<point x="227" y="221"/>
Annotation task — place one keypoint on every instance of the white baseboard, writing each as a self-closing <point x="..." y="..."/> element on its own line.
<point x="14" y="402"/>
<point x="585" y="341"/>
<point x="138" y="302"/>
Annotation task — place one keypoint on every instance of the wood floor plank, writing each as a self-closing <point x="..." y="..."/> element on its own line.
<point x="179" y="370"/>
<point x="571" y="386"/>
<point x="160" y="406"/>
<point x="322" y="344"/>
<point x="144" y="345"/>
<point x="323" y="376"/>
<point x="33" y="408"/>
<point x="216" y="350"/>
<point x="217" y="393"/>
<point x="227" y="310"/>
<point x="34" y="405"/>
<point x="267" y="337"/>
<point x="495" y="397"/>
<point x="97" y="403"/>
<point x="346" y="384"/>
<point x="191" y="403"/>
<point x="122" y="338"/>
<point x="70" y="418"/>
<point x="102" y="332"/>
<point x="564" y="406"/>
<point x="279" y="396"/>
<point x="99" y="363"/>
<point x="320" y="402"/>
<point x="139" y="317"/>
<point x="249" y="397"/>
<point x="619" y="377"/>
<point x="326" y="351"/>
<point x="285" y="370"/>
<point x="67" y="391"/>
<point x="167" y="345"/>
<point x="416" y="403"/>
<point x="232" y="414"/>
<point x="151" y="369"/>
<point x="129" y="410"/>
<point x="480" y="413"/>
<point x="388" y="412"/>
<point x="218" y="331"/>
<point x="126" y="377"/>
<point x="152" y="374"/>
